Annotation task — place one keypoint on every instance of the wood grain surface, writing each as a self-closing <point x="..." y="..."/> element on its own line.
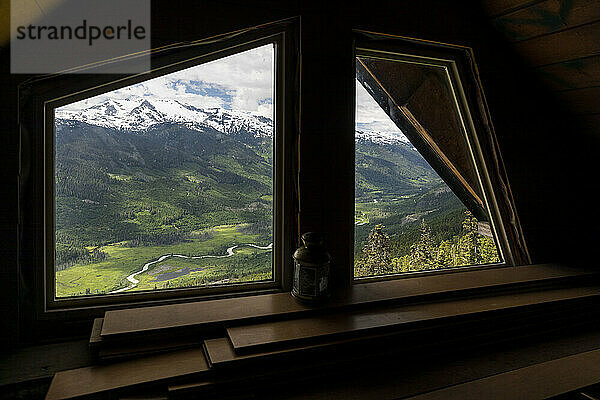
<point x="275" y="335"/>
<point x="547" y="17"/>
<point x="536" y="382"/>
<point x="158" y="318"/>
<point x="563" y="46"/>
<point x="102" y="378"/>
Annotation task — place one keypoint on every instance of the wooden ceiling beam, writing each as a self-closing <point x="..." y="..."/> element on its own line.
<point x="570" y="44"/>
<point x="547" y="17"/>
<point x="573" y="74"/>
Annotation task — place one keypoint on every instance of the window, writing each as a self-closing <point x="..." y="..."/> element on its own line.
<point x="185" y="183"/>
<point x="164" y="185"/>
<point x="420" y="200"/>
<point x="168" y="183"/>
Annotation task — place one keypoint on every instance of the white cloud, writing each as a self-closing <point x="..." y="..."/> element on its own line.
<point x="369" y="115"/>
<point x="245" y="78"/>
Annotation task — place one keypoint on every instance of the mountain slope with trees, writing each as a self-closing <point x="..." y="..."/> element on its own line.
<point x="137" y="180"/>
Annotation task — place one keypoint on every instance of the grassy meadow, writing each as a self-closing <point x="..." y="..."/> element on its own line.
<point x="247" y="264"/>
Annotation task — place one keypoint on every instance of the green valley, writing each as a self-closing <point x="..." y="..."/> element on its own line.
<point x="126" y="198"/>
<point x="247" y="264"/>
<point x="175" y="205"/>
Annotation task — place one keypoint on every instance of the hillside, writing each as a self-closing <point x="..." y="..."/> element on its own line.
<point x="137" y="180"/>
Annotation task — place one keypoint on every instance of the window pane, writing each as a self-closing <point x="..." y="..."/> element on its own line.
<point x="168" y="183"/>
<point x="407" y="218"/>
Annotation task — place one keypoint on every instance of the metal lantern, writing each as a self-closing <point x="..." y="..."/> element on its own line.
<point x="311" y="269"/>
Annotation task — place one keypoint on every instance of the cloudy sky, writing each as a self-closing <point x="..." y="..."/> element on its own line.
<point x="242" y="81"/>
<point x="369" y="116"/>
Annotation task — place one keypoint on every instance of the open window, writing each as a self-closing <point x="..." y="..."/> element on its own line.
<point x="161" y="185"/>
<point x="424" y="200"/>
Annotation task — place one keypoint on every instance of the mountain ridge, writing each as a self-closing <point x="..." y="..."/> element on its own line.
<point x="139" y="114"/>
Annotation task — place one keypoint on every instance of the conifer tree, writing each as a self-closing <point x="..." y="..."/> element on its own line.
<point x="376" y="255"/>
<point x="489" y="252"/>
<point x="468" y="245"/>
<point x="444" y="256"/>
<point x="422" y="253"/>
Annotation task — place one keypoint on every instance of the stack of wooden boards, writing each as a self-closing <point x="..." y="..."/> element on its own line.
<point x="229" y="346"/>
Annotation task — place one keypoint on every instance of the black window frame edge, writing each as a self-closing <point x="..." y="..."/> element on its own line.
<point x="461" y="71"/>
<point x="40" y="95"/>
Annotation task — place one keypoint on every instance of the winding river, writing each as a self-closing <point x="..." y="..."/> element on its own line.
<point x="230" y="252"/>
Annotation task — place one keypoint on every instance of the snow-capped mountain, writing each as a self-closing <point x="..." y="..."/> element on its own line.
<point x="138" y="114"/>
<point x="386" y="138"/>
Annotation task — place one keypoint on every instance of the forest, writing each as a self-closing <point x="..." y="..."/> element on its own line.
<point x="407" y="218"/>
<point x="124" y="198"/>
<point x="187" y="203"/>
<point x="377" y="257"/>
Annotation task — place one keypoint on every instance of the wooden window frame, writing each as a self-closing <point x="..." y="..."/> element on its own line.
<point x="455" y="282"/>
<point x="40" y="96"/>
<point x="455" y="60"/>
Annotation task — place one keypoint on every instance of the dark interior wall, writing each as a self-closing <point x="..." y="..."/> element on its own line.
<point x="550" y="161"/>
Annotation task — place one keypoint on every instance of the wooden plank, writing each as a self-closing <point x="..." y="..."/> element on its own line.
<point x="563" y="46"/>
<point x="574" y="74"/>
<point x="152" y="319"/>
<point x="193" y="387"/>
<point x="279" y="334"/>
<point x="129" y="322"/>
<point x="146" y="347"/>
<point x="102" y="378"/>
<point x="95" y="337"/>
<point x="221" y="353"/>
<point x="445" y="334"/>
<point x="349" y="352"/>
<point x="547" y="17"/>
<point x="582" y="101"/>
<point x="114" y="351"/>
<point x="387" y="378"/>
<point x="538" y="381"/>
<point x="499" y="7"/>
<point x="266" y="367"/>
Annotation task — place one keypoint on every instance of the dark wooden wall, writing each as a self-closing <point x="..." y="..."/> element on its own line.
<point x="549" y="155"/>
<point x="558" y="42"/>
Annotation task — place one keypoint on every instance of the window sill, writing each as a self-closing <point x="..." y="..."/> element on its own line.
<point x="494" y="315"/>
<point x="121" y="324"/>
